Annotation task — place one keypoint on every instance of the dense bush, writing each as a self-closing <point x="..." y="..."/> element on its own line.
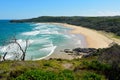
<point x="108" y="24"/>
<point x="95" y="65"/>
<point x="46" y="75"/>
<point x="92" y="76"/>
<point x="108" y="62"/>
<point x="37" y="75"/>
<point x="111" y="56"/>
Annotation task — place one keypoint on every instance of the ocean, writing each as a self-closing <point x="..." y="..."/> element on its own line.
<point x="44" y="39"/>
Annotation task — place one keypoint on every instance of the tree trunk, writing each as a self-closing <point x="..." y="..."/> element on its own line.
<point x="4" y="56"/>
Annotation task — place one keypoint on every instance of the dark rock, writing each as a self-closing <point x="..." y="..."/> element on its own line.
<point x="85" y="50"/>
<point x="68" y="51"/>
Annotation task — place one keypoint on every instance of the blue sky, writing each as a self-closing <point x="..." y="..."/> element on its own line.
<point x="20" y="9"/>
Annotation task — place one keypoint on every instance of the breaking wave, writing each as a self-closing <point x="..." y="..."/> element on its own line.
<point x="43" y="41"/>
<point x="31" y="33"/>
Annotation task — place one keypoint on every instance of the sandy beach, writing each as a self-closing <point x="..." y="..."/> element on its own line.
<point x="93" y="38"/>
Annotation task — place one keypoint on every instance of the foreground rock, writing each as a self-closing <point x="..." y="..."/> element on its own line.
<point x="84" y="52"/>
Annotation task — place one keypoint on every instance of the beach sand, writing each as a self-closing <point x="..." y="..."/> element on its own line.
<point x="93" y="38"/>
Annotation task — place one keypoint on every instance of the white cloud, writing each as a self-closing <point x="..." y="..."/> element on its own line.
<point x="108" y="13"/>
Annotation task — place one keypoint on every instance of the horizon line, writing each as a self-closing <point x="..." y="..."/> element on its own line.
<point x="63" y="16"/>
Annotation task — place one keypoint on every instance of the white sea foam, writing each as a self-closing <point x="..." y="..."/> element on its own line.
<point x="42" y="43"/>
<point x="48" y="45"/>
<point x="51" y="49"/>
<point x="79" y="42"/>
<point x="8" y="56"/>
<point x="41" y="40"/>
<point x="39" y="27"/>
<point x="38" y="23"/>
<point x="48" y="32"/>
<point x="45" y="29"/>
<point x="36" y="32"/>
<point x="48" y="48"/>
<point x="72" y="35"/>
<point x="3" y="49"/>
<point x="23" y="42"/>
<point x="13" y="48"/>
<point x="31" y="33"/>
<point x="10" y="49"/>
<point x="67" y="36"/>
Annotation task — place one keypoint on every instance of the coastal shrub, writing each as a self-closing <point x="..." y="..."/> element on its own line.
<point x="59" y="59"/>
<point x="118" y="33"/>
<point x="66" y="75"/>
<point x="46" y="75"/>
<point x="14" y="74"/>
<point x="110" y="55"/>
<point x="47" y="64"/>
<point x="37" y="75"/>
<point x="92" y="76"/>
<point x="113" y="73"/>
<point x="96" y="65"/>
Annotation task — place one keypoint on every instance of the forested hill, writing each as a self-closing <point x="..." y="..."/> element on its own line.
<point x="108" y="24"/>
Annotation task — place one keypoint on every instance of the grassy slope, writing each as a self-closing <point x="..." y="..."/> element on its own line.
<point x="105" y="63"/>
<point x="68" y="69"/>
<point x="111" y="36"/>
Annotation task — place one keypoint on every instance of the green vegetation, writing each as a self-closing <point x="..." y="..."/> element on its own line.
<point x="108" y="24"/>
<point x="46" y="75"/>
<point x="95" y="67"/>
<point x="102" y="65"/>
<point x="92" y="76"/>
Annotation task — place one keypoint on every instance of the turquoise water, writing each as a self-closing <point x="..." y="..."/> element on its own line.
<point x="44" y="39"/>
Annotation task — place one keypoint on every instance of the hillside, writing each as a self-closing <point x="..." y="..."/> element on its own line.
<point x="102" y="65"/>
<point x="108" y="24"/>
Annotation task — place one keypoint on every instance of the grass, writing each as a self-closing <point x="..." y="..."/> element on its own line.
<point x="110" y="35"/>
<point x="48" y="70"/>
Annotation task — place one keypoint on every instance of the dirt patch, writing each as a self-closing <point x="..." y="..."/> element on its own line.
<point x="67" y="65"/>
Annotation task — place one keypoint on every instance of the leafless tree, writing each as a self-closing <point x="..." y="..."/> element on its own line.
<point x="23" y="50"/>
<point x="20" y="47"/>
<point x="4" y="56"/>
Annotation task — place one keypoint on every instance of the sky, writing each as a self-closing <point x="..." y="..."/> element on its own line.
<point x="22" y="9"/>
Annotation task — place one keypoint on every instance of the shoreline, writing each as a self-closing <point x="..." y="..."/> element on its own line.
<point x="93" y="39"/>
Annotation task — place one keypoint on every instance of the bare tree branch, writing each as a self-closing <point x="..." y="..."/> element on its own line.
<point x="23" y="50"/>
<point x="4" y="56"/>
